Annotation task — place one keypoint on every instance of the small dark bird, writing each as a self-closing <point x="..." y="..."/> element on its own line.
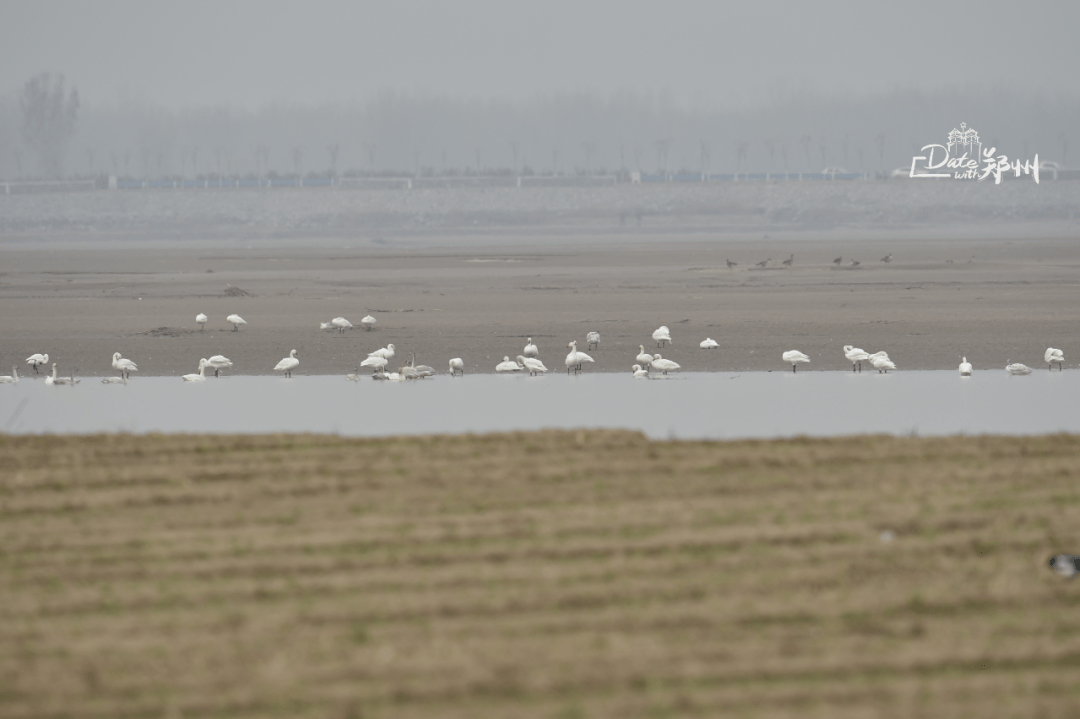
<point x="855" y="263"/>
<point x="887" y="258"/>
<point x="1065" y="564"/>
<point x="788" y="261"/>
<point x="837" y="261"/>
<point x="763" y="263"/>
<point x="731" y="264"/>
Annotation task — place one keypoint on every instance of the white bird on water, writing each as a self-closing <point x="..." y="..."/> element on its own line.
<point x="1052" y="355"/>
<point x="663" y="365"/>
<point x="643" y="357"/>
<point x="856" y="356"/>
<point x="709" y="344"/>
<point x="201" y="319"/>
<point x="530" y="350"/>
<point x="123" y="366"/>
<point x="219" y="362"/>
<point x="386" y="352"/>
<point x="422" y="370"/>
<point x="882" y="364"/>
<point x="200" y="377"/>
<point x="575" y="358"/>
<point x="507" y="366"/>
<point x="236" y="321"/>
<point x="662" y="335"/>
<point x="114" y="380"/>
<point x="11" y="379"/>
<point x="288" y="364"/>
<point x="534" y="365"/>
<point x="1017" y="368"/>
<point x="965" y="367"/>
<point x="457" y="365"/>
<point x="593" y="338"/>
<point x="367" y="322"/>
<point x="37" y="360"/>
<point x="795" y="357"/>
<point x="342" y="324"/>
<point x="354" y="377"/>
<point x="53" y="379"/>
<point x="640" y="373"/>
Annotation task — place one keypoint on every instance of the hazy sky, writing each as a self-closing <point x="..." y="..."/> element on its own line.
<point x="706" y="52"/>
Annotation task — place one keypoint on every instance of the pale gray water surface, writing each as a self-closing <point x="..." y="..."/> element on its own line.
<point x="691" y="405"/>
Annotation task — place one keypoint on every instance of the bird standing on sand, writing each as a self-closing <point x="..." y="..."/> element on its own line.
<point x="219" y="362"/>
<point x="887" y="258"/>
<point x="731" y="264"/>
<point x="788" y="262"/>
<point x="1066" y="565"/>
<point x="795" y="357"/>
<point x="575" y="358"/>
<point x="236" y="321"/>
<point x="965" y="367"/>
<point x="662" y="336"/>
<point x="457" y="365"/>
<point x="709" y="344"/>
<point x="530" y="350"/>
<point x="593" y="338"/>
<point x="288" y="364"/>
<point x="123" y="366"/>
<point x="643" y="357"/>
<point x="882" y="364"/>
<point x="37" y="360"/>
<point x="663" y="365"/>
<point x="764" y="263"/>
<point x="838" y="260"/>
<point x="367" y="322"/>
<point x="1052" y="355"/>
<point x="856" y="356"/>
<point x="342" y="324"/>
<point x="534" y="365"/>
<point x="201" y="319"/>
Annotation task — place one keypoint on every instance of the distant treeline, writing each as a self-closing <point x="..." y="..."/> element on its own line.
<point x="398" y="133"/>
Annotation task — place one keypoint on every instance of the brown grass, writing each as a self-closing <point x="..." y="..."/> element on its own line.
<point x="558" y="574"/>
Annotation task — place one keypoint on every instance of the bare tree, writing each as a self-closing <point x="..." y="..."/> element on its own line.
<point x="880" y="139"/>
<point x="588" y="147"/>
<point x="49" y="114"/>
<point x="805" y="142"/>
<point x="333" y="150"/>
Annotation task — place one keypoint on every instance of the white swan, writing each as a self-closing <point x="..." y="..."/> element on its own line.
<point x="53" y="379"/>
<point x="856" y="356"/>
<point x="342" y="324"/>
<point x="288" y="364"/>
<point x="882" y="364"/>
<point x="355" y="377"/>
<point x="965" y="367"/>
<point x="643" y="357"/>
<point x="795" y="357"/>
<point x="219" y="362"/>
<point x="422" y="370"/>
<point x="640" y="373"/>
<point x="114" y="380"/>
<point x="376" y="363"/>
<point x="507" y="366"/>
<point x="200" y="377"/>
<point x="530" y="350"/>
<point x="1017" y="368"/>
<point x="534" y="365"/>
<point x="881" y="354"/>
<point x="662" y="335"/>
<point x="1052" y="355"/>
<point x="575" y="358"/>
<point x="236" y="321"/>
<point x="663" y="365"/>
<point x="201" y="319"/>
<point x="38" y="360"/>
<point x="13" y="378"/>
<point x="593" y="338"/>
<point x="326" y="326"/>
<point x="457" y="365"/>
<point x="709" y="344"/>
<point x="386" y="352"/>
<point x="367" y="322"/>
<point x="124" y="366"/>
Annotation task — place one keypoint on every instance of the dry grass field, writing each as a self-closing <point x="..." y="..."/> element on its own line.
<point x="560" y="574"/>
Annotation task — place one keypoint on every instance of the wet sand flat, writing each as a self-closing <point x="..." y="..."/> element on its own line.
<point x="996" y="293"/>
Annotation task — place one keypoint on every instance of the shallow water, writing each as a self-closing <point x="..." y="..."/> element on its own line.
<point x="691" y="405"/>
